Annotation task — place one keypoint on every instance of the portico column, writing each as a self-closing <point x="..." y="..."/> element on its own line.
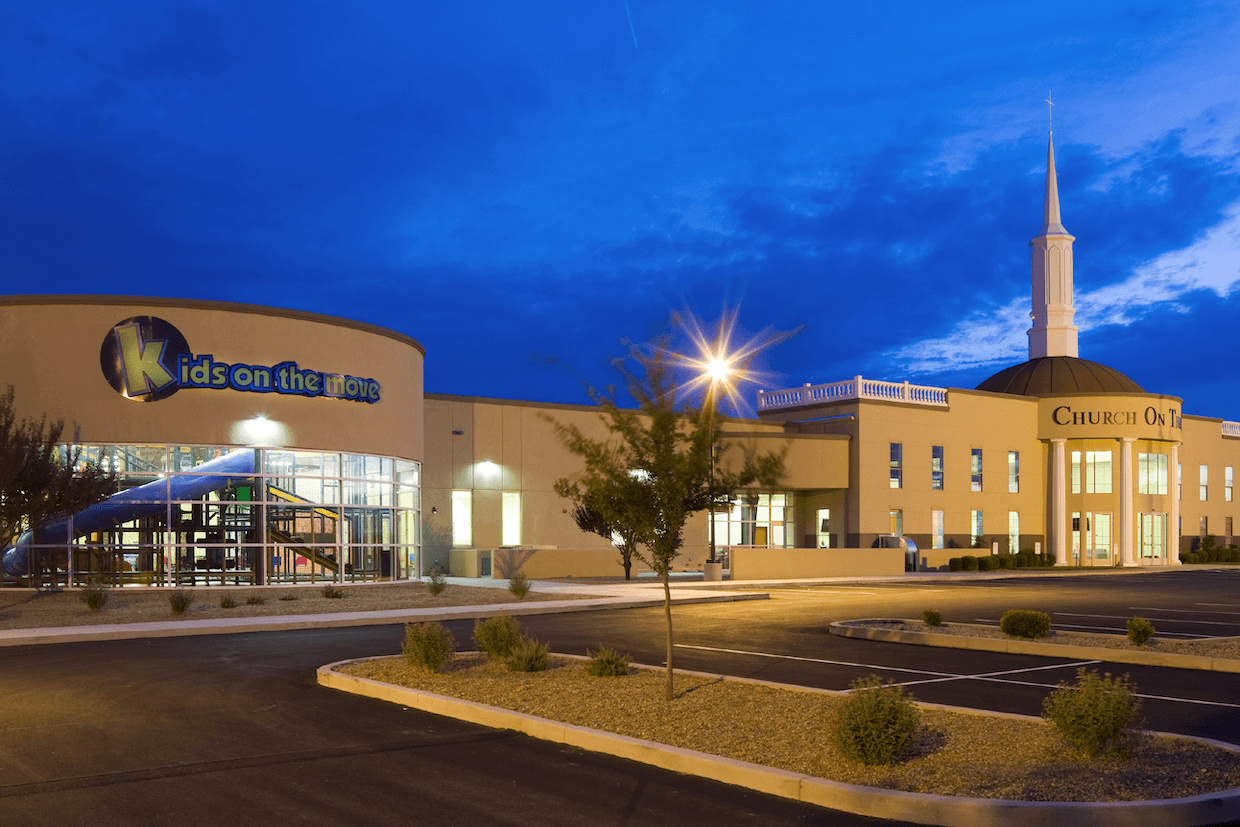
<point x="1126" y="517"/>
<point x="1173" y="530"/>
<point x="1059" y="503"/>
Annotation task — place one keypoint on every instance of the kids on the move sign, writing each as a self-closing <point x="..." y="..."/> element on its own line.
<point x="146" y="359"/>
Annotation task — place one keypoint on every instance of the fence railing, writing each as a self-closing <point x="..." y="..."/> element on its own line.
<point x="1231" y="429"/>
<point x="859" y="388"/>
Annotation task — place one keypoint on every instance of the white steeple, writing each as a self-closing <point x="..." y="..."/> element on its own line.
<point x="1053" y="333"/>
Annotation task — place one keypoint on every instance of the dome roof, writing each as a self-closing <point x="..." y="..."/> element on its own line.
<point x="1059" y="375"/>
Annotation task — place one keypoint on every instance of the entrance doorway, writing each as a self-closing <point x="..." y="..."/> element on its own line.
<point x="1153" y="539"/>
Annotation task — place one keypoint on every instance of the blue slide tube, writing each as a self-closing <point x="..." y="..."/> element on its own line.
<point x="132" y="504"/>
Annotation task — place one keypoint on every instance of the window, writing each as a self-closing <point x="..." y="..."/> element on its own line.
<point x="1205" y="526"/>
<point x="976" y="469"/>
<point x="462" y="519"/>
<point x="1152" y="473"/>
<point x="1227" y="483"/>
<point x="1152" y="539"/>
<point x="936" y="467"/>
<point x="1179" y="480"/>
<point x="1013" y="532"/>
<point x="897" y="465"/>
<point x="897" y="522"/>
<point x="824" y="528"/>
<point x="1013" y="472"/>
<point x="1227" y="529"/>
<point x="764" y="520"/>
<point x="1098" y="472"/>
<point x="1076" y="472"/>
<point x="936" y="524"/>
<point x="510" y="519"/>
<point x="1204" y="480"/>
<point x="975" y="529"/>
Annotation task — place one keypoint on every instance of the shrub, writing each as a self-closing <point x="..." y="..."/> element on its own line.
<point x="986" y="563"/>
<point x="95" y="595"/>
<point x="333" y="592"/>
<point x="428" y="646"/>
<point x="496" y="636"/>
<point x="876" y="722"/>
<point x="227" y="601"/>
<point x="1235" y="554"/>
<point x="288" y="596"/>
<point x="1025" y="623"/>
<point x="527" y="656"/>
<point x="180" y="600"/>
<point x="932" y="618"/>
<point x="1020" y="561"/>
<point x="437" y="583"/>
<point x="1097" y="715"/>
<point x="519" y="585"/>
<point x="953" y="564"/>
<point x="607" y="663"/>
<point x="968" y="563"/>
<point x="256" y="599"/>
<point x="1139" y="630"/>
<point x="1005" y="561"/>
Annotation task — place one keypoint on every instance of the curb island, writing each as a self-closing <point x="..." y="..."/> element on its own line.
<point x="918" y="808"/>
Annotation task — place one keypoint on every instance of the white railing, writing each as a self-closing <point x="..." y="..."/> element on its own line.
<point x="1229" y="428"/>
<point x="859" y="388"/>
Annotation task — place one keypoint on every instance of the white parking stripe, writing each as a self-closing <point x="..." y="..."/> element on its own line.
<point x="1159" y="619"/>
<point x="942" y="677"/>
<point x="1180" y="611"/>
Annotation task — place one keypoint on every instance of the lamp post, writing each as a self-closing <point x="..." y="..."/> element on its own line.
<point x="719" y="371"/>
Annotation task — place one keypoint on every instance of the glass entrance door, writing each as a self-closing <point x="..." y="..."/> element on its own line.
<point x="1153" y="539"/>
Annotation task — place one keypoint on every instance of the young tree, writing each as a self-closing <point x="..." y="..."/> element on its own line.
<point x="654" y="471"/>
<point x="39" y="479"/>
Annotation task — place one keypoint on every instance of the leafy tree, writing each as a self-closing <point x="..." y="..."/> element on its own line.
<point x="654" y="470"/>
<point x="40" y="479"/>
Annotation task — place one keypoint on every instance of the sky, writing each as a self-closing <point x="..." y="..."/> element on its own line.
<point x="525" y="187"/>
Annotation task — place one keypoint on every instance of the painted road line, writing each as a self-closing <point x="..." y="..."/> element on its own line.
<point x="808" y="660"/>
<point x="994" y="675"/>
<point x="1180" y="611"/>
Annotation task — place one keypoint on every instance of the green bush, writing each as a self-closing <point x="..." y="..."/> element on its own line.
<point x="496" y="636"/>
<point x="1095" y="716"/>
<point x="437" y="583"/>
<point x="1020" y="561"/>
<point x="95" y="595"/>
<point x="527" y="656"/>
<point x="932" y="618"/>
<point x="1139" y="630"/>
<point x="180" y="600"/>
<point x="227" y="601"/>
<point x="968" y="563"/>
<point x="1025" y="623"/>
<point x="332" y="592"/>
<point x="429" y="646"/>
<point x="255" y="599"/>
<point x="876" y="723"/>
<point x="1235" y="554"/>
<point x="519" y="585"/>
<point x="953" y="564"/>
<point x="607" y="663"/>
<point x="1005" y="561"/>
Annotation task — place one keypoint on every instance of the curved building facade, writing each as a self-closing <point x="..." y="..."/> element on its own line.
<point x="251" y="445"/>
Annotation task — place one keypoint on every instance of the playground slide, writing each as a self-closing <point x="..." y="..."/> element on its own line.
<point x="132" y="504"/>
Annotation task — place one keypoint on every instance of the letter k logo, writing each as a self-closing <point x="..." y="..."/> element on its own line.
<point x="141" y="361"/>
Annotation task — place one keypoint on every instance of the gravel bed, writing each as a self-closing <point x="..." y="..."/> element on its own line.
<point x="34" y="610"/>
<point x="955" y="754"/>
<point x="1227" y="647"/>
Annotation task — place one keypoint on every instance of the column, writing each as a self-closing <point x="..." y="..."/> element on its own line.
<point x="1173" y="530"/>
<point x="1127" y="520"/>
<point x="1059" y="504"/>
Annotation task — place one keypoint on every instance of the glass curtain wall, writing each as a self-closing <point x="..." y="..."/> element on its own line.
<point x="194" y="515"/>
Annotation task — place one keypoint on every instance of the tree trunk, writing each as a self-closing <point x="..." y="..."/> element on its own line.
<point x="667" y="615"/>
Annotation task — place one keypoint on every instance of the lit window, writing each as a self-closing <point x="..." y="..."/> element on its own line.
<point x="897" y="522"/>
<point x="1098" y="474"/>
<point x="976" y="469"/>
<point x="1151" y="474"/>
<point x="975" y="529"/>
<point x="1013" y="472"/>
<point x="936" y="522"/>
<point x="462" y="519"/>
<point x="897" y="465"/>
<point x="1013" y="532"/>
<point x="1227" y="483"/>
<point x="1203" y="480"/>
<point x="936" y="467"/>
<point x="1076" y="472"/>
<point x="1205" y="526"/>
<point x="1179" y="480"/>
<point x="510" y="519"/>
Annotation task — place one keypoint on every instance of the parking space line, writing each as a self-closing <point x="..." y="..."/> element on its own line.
<point x="993" y="676"/>
<point x="1180" y="611"/>
<point x="1159" y="619"/>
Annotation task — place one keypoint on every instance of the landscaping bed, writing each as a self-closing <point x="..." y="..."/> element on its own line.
<point x="955" y="753"/>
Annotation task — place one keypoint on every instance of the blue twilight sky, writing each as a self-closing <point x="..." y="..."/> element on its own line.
<point x="521" y="186"/>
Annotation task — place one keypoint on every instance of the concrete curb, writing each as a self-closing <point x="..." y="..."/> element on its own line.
<point x="283" y="623"/>
<point x="843" y="628"/>
<point x="917" y="808"/>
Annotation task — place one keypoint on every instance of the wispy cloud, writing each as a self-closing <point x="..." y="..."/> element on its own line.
<point x="998" y="335"/>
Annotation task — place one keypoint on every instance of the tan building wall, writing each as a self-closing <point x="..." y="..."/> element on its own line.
<point x="59" y="339"/>
<point x="1204" y="444"/>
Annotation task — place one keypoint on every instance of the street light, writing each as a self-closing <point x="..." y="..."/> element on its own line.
<point x="718" y="370"/>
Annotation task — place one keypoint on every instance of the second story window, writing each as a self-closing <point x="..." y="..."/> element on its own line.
<point x="1013" y="472"/>
<point x="936" y="467"/>
<point x="1204" y="483"/>
<point x="897" y="465"/>
<point x="975" y="468"/>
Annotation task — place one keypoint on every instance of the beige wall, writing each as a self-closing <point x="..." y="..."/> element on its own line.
<point x="1204" y="444"/>
<point x="51" y="350"/>
<point x="793" y="563"/>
